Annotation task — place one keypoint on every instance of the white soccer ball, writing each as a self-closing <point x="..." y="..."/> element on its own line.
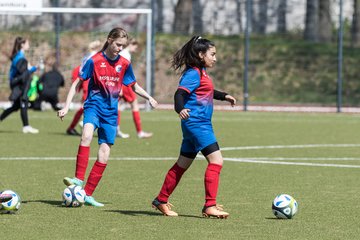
<point x="11" y="206"/>
<point x="284" y="206"/>
<point x="73" y="196"/>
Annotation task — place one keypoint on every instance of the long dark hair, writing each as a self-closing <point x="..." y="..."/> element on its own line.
<point x="17" y="46"/>
<point x="188" y="55"/>
<point x="113" y="34"/>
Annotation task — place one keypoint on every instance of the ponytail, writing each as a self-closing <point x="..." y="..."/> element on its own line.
<point x="17" y="46"/>
<point x="188" y="55"/>
<point x="114" y="34"/>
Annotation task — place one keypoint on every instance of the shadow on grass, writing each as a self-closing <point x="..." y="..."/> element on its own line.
<point x="49" y="202"/>
<point x="142" y="213"/>
<point x="275" y="218"/>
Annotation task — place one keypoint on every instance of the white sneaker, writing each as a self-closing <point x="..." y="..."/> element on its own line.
<point x="120" y="134"/>
<point x="143" y="134"/>
<point x="30" y="129"/>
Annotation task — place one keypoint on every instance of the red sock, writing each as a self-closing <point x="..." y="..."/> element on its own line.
<point x="171" y="180"/>
<point x="211" y="181"/>
<point x="82" y="160"/>
<point x="137" y="120"/>
<point x="94" y="177"/>
<point x="118" y="118"/>
<point x="76" y="118"/>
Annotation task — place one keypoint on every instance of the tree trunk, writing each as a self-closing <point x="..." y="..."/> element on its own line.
<point x="281" y="17"/>
<point x="183" y="14"/>
<point x="311" y="21"/>
<point x="238" y="15"/>
<point x="197" y="17"/>
<point x="355" y="27"/>
<point x="159" y="15"/>
<point x="262" y="20"/>
<point x="325" y="24"/>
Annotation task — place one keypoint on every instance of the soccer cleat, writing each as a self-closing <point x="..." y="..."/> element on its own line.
<point x="90" y="201"/>
<point x="164" y="207"/>
<point x="5" y="197"/>
<point x="73" y="132"/>
<point x="214" y="211"/>
<point x="143" y="134"/>
<point x="73" y="181"/>
<point x="120" y="134"/>
<point x="30" y="129"/>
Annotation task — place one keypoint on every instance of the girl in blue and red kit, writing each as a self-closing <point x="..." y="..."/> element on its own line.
<point x="106" y="71"/>
<point x="194" y="104"/>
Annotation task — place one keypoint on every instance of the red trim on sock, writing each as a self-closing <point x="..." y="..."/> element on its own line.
<point x="82" y="160"/>
<point x="94" y="177"/>
<point x="211" y="181"/>
<point x="137" y="120"/>
<point x="76" y="118"/>
<point x="171" y="180"/>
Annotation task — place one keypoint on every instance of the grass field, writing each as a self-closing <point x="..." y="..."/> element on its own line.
<point x="313" y="157"/>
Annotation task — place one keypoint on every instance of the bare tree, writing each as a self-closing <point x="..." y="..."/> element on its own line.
<point x="325" y="24"/>
<point x="281" y="17"/>
<point x="183" y="14"/>
<point x="159" y="15"/>
<point x="355" y="27"/>
<point x="197" y="16"/>
<point x="311" y="20"/>
<point x="263" y="10"/>
<point x="239" y="15"/>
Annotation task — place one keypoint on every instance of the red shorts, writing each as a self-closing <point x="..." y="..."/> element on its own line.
<point x="128" y="94"/>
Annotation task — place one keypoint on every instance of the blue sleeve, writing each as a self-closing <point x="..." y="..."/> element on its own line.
<point x="190" y="80"/>
<point x="129" y="76"/>
<point x="33" y="69"/>
<point x="86" y="71"/>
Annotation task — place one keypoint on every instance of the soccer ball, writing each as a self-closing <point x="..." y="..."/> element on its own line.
<point x="284" y="206"/>
<point x="73" y="196"/>
<point x="11" y="206"/>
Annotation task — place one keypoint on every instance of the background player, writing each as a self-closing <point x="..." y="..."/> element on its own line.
<point x="93" y="48"/>
<point x="106" y="71"/>
<point x="128" y="95"/>
<point x="194" y="104"/>
<point x="20" y="79"/>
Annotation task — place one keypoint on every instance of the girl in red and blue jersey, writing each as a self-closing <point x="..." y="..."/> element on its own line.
<point x="194" y="104"/>
<point x="106" y="71"/>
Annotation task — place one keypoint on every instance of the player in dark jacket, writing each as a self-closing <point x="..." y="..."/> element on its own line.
<point x="20" y="79"/>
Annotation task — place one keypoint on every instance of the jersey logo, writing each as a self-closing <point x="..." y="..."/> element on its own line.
<point x="103" y="65"/>
<point x="118" y="68"/>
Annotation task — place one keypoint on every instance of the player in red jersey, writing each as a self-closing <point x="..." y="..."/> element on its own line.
<point x="106" y="71"/>
<point x="93" y="48"/>
<point x="128" y="95"/>
<point x="194" y="104"/>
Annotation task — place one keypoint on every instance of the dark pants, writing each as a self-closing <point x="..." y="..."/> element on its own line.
<point x="18" y="104"/>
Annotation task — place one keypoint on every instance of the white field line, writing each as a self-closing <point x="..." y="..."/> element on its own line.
<point x="292" y="163"/>
<point x="263" y="160"/>
<point x="290" y="146"/>
<point x="73" y="158"/>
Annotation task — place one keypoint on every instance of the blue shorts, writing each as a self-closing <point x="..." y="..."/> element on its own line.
<point x="106" y="131"/>
<point x="196" y="136"/>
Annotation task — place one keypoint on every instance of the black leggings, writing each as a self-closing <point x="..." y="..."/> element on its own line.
<point x="205" y="151"/>
<point x="18" y="104"/>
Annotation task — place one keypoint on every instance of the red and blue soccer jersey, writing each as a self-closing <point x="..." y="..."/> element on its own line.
<point x="105" y="78"/>
<point x="197" y="129"/>
<point x="201" y="90"/>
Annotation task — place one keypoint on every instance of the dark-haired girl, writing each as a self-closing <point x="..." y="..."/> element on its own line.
<point x="106" y="71"/>
<point x="194" y="104"/>
<point x="19" y="79"/>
